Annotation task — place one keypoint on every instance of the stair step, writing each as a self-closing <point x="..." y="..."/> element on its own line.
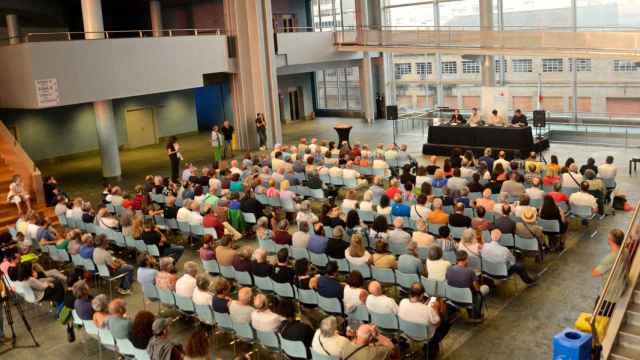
<point x="633" y="314"/>
<point x="629" y="340"/>
<point x="622" y="352"/>
<point x="636" y="296"/>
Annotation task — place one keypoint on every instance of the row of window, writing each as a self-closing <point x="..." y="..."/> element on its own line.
<point x="517" y="66"/>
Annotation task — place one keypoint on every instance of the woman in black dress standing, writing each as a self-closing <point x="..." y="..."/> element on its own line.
<point x="172" y="151"/>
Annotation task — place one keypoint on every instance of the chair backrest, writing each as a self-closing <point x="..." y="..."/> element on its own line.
<point x="294" y="349"/>
<point x="319" y="260"/>
<point x="584" y="212"/>
<point x="360" y="313"/>
<point x="90" y="327"/>
<point x="227" y="272"/>
<point x="89" y="265"/>
<point x="184" y="303"/>
<point x="434" y="228"/>
<point x="526" y="244"/>
<point x="550" y="226"/>
<point x="364" y="270"/>
<point x="385" y="321"/>
<point x="343" y="264"/>
<point x="150" y="291"/>
<point x="307" y="296"/>
<point x="243" y="278"/>
<point x="211" y="266"/>
<point x="456" y="231"/>
<point x="494" y="269"/>
<point x="299" y="253"/>
<point x="406" y="280"/>
<point x="366" y="216"/>
<point x="243" y="331"/>
<point x="223" y="320"/>
<point x="415" y="332"/>
<point x="205" y="314"/>
<point x="350" y="182"/>
<point x="283" y="289"/>
<point x="153" y="250"/>
<point x="249" y="218"/>
<point x="268" y="245"/>
<point x="166" y="296"/>
<point x="263" y="283"/>
<point x="317" y="194"/>
<point x="330" y="305"/>
<point x="274" y="201"/>
<point x="198" y="230"/>
<point x="507" y="240"/>
<point x="317" y="356"/>
<point x="475" y="263"/>
<point x="397" y="248"/>
<point x="172" y="224"/>
<point x="383" y="275"/>
<point x="288" y="204"/>
<point x="433" y="287"/>
<point x="423" y="252"/>
<point x="459" y="295"/>
<point x="125" y="347"/>
<point x="268" y="339"/>
<point x="184" y="227"/>
<point x="106" y="338"/>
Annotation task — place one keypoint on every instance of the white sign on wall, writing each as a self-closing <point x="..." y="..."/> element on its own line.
<point x="47" y="92"/>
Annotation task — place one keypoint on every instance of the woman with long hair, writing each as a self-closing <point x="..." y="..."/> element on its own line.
<point x="141" y="331"/>
<point x="198" y="346"/>
<point x="173" y="149"/>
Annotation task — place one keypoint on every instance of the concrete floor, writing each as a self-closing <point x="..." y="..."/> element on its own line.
<point x="520" y="324"/>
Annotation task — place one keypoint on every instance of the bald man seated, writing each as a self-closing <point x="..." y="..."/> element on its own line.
<point x="379" y="303"/>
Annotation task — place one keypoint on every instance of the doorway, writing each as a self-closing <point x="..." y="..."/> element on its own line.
<point x="141" y="129"/>
<point x="284" y="23"/>
<point x="296" y="103"/>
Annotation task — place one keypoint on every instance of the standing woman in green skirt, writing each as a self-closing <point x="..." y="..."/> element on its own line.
<point x="217" y="143"/>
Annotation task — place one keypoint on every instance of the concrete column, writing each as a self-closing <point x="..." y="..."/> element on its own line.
<point x="438" y="60"/>
<point x="103" y="110"/>
<point x="574" y="24"/>
<point x="107" y="138"/>
<point x="486" y="24"/>
<point x="13" y="29"/>
<point x="92" y="19"/>
<point x="155" y="10"/>
<point x="365" y="70"/>
<point x="254" y="84"/>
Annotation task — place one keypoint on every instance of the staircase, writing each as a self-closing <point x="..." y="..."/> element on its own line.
<point x="627" y="345"/>
<point x="14" y="160"/>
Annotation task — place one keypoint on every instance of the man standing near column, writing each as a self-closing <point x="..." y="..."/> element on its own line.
<point x="227" y="132"/>
<point x="261" y="128"/>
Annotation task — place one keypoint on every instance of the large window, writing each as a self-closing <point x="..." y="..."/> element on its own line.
<point x="624" y="66"/>
<point x="500" y="64"/>
<point x="449" y="67"/>
<point x="582" y="65"/>
<point x="470" y="67"/>
<point x="522" y="65"/>
<point x="402" y="70"/>
<point x="338" y="89"/>
<point x="423" y="69"/>
<point x="552" y="65"/>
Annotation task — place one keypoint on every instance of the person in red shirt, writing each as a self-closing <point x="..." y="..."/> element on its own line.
<point x="210" y="220"/>
<point x="550" y="178"/>
<point x="557" y="195"/>
<point x="127" y="203"/>
<point x="139" y="198"/>
<point x="393" y="189"/>
<point x="355" y="151"/>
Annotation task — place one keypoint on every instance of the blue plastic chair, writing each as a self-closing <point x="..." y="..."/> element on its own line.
<point x="384" y="275"/>
<point x="211" y="266"/>
<point x="294" y="349"/>
<point x="330" y="305"/>
<point x="284" y="290"/>
<point x="227" y="272"/>
<point x="166" y="297"/>
<point x="307" y="296"/>
<point x="186" y="305"/>
<point x="359" y="313"/>
<point x="244" y="278"/>
<point x="264" y="284"/>
<point x="415" y="332"/>
<point x="205" y="314"/>
<point x="386" y="322"/>
<point x="406" y="280"/>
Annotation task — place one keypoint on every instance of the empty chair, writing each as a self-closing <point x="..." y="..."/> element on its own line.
<point x="415" y="332"/>
<point x="456" y="231"/>
<point x="386" y="322"/>
<point x="364" y="270"/>
<point x="263" y="283"/>
<point x="284" y="290"/>
<point x="319" y="260"/>
<point x="406" y="280"/>
<point x="227" y="272"/>
<point x="507" y="240"/>
<point x="211" y="266"/>
<point x="524" y="244"/>
<point x="432" y="287"/>
<point x="293" y="349"/>
<point x="307" y="296"/>
<point x="224" y="321"/>
<point x="153" y="250"/>
<point x="359" y="313"/>
<point x="205" y="314"/>
<point x="125" y="347"/>
<point x="166" y="297"/>
<point x="268" y="340"/>
<point x="185" y="304"/>
<point x="243" y="278"/>
<point x="383" y="275"/>
<point x="299" y="253"/>
<point x="461" y="297"/>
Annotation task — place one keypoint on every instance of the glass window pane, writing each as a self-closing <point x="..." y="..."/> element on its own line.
<point x="464" y="13"/>
<point x="552" y="65"/>
<point x="536" y="13"/>
<point x="410" y="17"/>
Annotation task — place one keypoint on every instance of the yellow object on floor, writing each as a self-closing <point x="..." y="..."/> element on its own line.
<point x="583" y="323"/>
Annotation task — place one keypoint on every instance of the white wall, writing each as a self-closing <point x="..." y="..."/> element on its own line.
<point x="90" y="70"/>
<point x="311" y="47"/>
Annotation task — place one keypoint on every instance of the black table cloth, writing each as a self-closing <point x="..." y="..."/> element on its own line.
<point x="343" y="131"/>
<point x="482" y="136"/>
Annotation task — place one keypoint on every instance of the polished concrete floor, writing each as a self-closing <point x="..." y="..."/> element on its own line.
<point x="520" y="322"/>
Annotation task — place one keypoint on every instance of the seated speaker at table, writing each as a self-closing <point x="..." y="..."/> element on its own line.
<point x="457" y="119"/>
<point x="474" y="119"/>
<point x="495" y="119"/>
<point x="519" y="119"/>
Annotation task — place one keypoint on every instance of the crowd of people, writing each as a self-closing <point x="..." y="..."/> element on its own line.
<point x="485" y="195"/>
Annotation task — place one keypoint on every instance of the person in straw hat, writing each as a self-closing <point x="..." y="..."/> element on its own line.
<point x="528" y="228"/>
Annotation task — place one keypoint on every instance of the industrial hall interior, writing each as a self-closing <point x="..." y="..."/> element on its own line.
<point x="319" y="179"/>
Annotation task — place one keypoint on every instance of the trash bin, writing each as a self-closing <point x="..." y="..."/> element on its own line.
<point x="571" y="344"/>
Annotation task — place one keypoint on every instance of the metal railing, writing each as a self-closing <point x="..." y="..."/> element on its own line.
<point x="623" y="42"/>
<point x="617" y="280"/>
<point x="112" y="34"/>
<point x="289" y="29"/>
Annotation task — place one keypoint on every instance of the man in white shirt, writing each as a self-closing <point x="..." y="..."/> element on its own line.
<point x="195" y="218"/>
<point x="335" y="171"/>
<point x="414" y="310"/>
<point x="262" y="318"/>
<point x="502" y="160"/>
<point x="380" y="163"/>
<point x="583" y="198"/>
<point x="184" y="214"/>
<point x="201" y="294"/>
<point x="187" y="282"/>
<point x="467" y="170"/>
<point x="327" y="340"/>
<point x="234" y="167"/>
<point x="300" y="238"/>
<point x="494" y="252"/>
<point x="379" y="303"/>
<point x="391" y="153"/>
<point x="608" y="171"/>
<point x="403" y="155"/>
<point x="474" y="119"/>
<point x="240" y="310"/>
<point x="314" y="145"/>
<point x="277" y="162"/>
<point x="535" y="192"/>
<point x="349" y="173"/>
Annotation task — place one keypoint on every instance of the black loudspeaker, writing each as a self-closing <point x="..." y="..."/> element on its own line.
<point x="539" y="118"/>
<point x="392" y="112"/>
